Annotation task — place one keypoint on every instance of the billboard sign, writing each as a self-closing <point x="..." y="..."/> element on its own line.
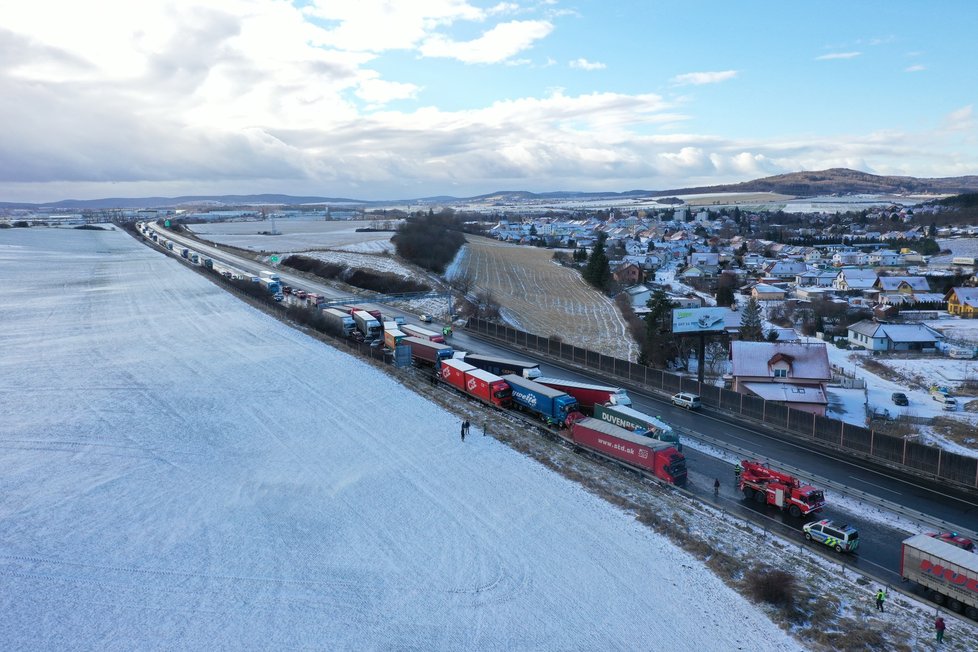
<point x="698" y="320"/>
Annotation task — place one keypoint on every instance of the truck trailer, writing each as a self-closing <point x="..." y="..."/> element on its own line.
<point x="340" y="320"/>
<point x="368" y="326"/>
<point x="428" y="353"/>
<point x="642" y="424"/>
<point x="476" y="382"/>
<point x="587" y="394"/>
<point x="552" y="405"/>
<point x="274" y="287"/>
<point x="423" y="333"/>
<point x="948" y="574"/>
<point x="504" y="366"/>
<point x="392" y="337"/>
<point x="271" y="276"/>
<point x="657" y="457"/>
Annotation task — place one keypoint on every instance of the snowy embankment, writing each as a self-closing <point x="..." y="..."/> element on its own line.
<point x="183" y="472"/>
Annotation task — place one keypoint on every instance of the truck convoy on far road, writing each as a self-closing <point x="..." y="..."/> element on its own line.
<point x="503" y="366"/>
<point x="367" y="324"/>
<point x="341" y="320"/>
<point x="608" y="440"/>
<point x="948" y="574"/>
<point x="587" y="394"/>
<point x="423" y="333"/>
<point x="426" y="352"/>
<point x="552" y="405"/>
<point x="642" y="424"/>
<point x="761" y="483"/>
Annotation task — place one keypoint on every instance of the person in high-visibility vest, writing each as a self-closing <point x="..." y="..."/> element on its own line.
<point x="737" y="471"/>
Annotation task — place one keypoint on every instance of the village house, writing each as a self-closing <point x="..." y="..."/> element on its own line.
<point x="765" y="292"/>
<point x="790" y="373"/>
<point x="875" y="336"/>
<point x="854" y="279"/>
<point x="628" y="274"/>
<point x="886" y="258"/>
<point x="963" y="302"/>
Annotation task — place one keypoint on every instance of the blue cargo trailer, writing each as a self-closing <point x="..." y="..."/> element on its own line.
<point x="551" y="405"/>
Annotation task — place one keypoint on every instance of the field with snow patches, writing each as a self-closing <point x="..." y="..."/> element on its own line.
<point x="540" y="296"/>
<point x="181" y="471"/>
<point x="298" y="235"/>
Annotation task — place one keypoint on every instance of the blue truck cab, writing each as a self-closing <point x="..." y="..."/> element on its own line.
<point x="552" y="405"/>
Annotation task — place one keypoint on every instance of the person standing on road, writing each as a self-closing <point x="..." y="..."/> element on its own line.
<point x="466" y="425"/>
<point x="463" y="431"/>
<point x="737" y="471"/>
<point x="880" y="597"/>
<point x="716" y="487"/>
<point x="940" y="626"/>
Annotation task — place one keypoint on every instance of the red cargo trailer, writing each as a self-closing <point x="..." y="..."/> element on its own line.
<point x="453" y="372"/>
<point x="659" y="458"/>
<point x="487" y="387"/>
<point x="588" y="394"/>
<point x="423" y="333"/>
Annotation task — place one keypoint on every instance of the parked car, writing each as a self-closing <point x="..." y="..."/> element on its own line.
<point x="954" y="539"/>
<point x="950" y="404"/>
<point x="900" y="398"/>
<point x="688" y="401"/>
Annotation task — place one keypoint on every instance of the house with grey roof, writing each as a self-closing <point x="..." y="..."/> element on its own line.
<point x="876" y="336"/>
<point x="854" y="278"/>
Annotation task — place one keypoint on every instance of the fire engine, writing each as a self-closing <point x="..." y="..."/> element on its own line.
<point x="763" y="484"/>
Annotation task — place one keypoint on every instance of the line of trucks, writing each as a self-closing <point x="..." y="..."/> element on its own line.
<point x="601" y="419"/>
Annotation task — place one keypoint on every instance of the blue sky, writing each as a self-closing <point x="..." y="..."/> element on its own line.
<point x="399" y="99"/>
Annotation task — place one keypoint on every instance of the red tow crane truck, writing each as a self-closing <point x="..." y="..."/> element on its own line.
<point x="761" y="483"/>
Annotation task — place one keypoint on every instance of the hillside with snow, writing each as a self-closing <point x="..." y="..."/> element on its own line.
<point x="181" y="471"/>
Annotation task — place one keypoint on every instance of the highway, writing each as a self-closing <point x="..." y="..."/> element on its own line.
<point x="879" y="549"/>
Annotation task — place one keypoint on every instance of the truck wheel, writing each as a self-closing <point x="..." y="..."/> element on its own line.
<point x="939" y="598"/>
<point x="760" y="497"/>
<point x="955" y="605"/>
<point x="838" y="548"/>
<point x="971" y="612"/>
<point x="808" y="536"/>
<point x="794" y="511"/>
<point x="748" y="493"/>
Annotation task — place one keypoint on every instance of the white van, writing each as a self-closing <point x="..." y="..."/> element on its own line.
<point x="950" y="404"/>
<point x="688" y="401"/>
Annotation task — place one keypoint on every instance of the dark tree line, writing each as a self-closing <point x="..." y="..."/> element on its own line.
<point x="361" y="278"/>
<point x="431" y="241"/>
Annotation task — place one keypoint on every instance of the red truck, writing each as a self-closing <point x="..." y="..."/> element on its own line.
<point x="587" y="394"/>
<point x="425" y="352"/>
<point x="657" y="457"/>
<point x="488" y="387"/>
<point x="760" y="482"/>
<point x="476" y="382"/>
<point x="423" y="333"/>
<point x="452" y="371"/>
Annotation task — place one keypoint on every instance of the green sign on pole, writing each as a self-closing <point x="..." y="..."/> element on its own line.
<point x="166" y="223"/>
<point x="274" y="259"/>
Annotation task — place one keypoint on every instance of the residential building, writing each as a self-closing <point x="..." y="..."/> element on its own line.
<point x="791" y="373"/>
<point x="876" y="336"/>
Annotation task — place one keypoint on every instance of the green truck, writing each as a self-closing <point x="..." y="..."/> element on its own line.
<point x="642" y="424"/>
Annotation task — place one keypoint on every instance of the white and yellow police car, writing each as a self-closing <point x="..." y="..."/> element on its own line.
<point x="843" y="538"/>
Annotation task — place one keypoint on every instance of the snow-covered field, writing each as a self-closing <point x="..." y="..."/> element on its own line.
<point x="298" y="235"/>
<point x="180" y="471"/>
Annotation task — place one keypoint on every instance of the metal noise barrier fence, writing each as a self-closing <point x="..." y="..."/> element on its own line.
<point x="909" y="456"/>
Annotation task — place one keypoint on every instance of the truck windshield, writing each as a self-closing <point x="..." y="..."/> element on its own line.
<point x="504" y="393"/>
<point x="815" y="498"/>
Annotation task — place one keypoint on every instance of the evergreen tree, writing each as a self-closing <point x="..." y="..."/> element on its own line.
<point x="659" y="340"/>
<point x="725" y="296"/>
<point x="598" y="271"/>
<point x="751" y="328"/>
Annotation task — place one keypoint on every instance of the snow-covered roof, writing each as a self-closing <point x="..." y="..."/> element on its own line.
<point x="966" y="296"/>
<point x="897" y="332"/>
<point x="809" y="360"/>
<point x="785" y="393"/>
<point x="893" y="283"/>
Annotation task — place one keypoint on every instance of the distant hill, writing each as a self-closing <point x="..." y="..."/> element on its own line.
<point x="844" y="181"/>
<point x="841" y="181"/>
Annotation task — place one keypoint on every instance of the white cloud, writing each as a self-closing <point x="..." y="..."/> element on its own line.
<point x="960" y="120"/>
<point x="498" y="44"/>
<point x="837" y="55"/>
<point x="698" y="78"/>
<point x="584" y="64"/>
<point x="915" y="68"/>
